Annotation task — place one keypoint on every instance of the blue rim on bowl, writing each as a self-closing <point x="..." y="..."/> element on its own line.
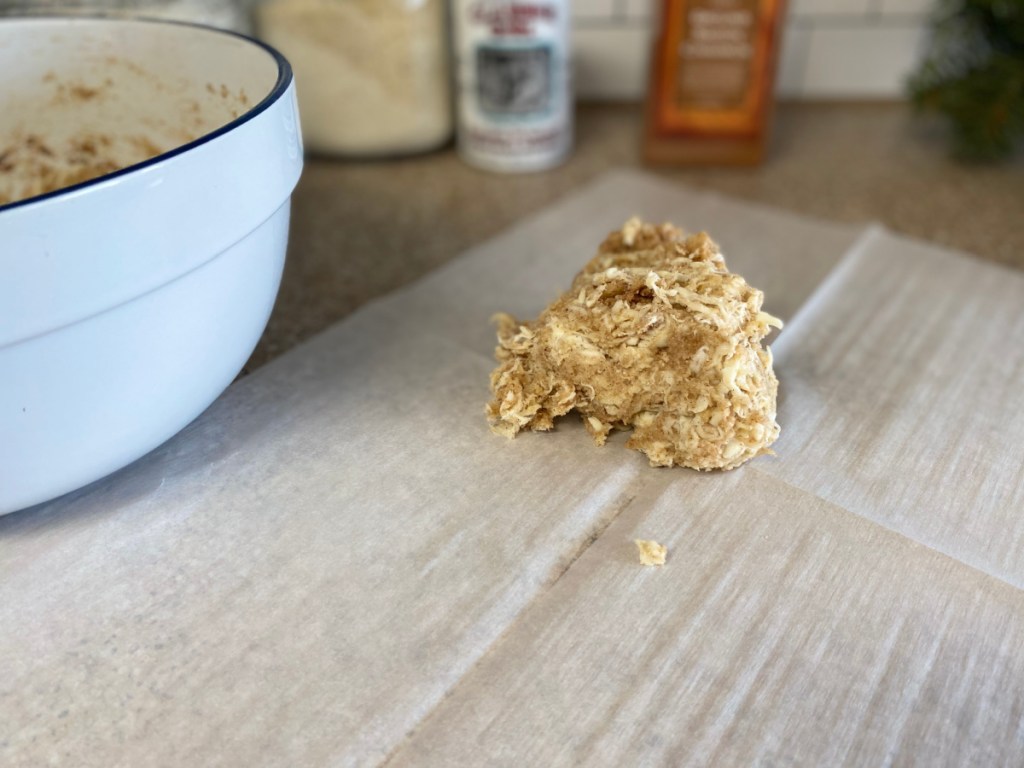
<point x="284" y="79"/>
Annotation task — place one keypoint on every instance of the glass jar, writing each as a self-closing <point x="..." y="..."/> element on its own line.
<point x="371" y="75"/>
<point x="224" y="14"/>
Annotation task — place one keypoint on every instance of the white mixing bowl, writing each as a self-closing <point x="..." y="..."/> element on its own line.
<point x="129" y="302"/>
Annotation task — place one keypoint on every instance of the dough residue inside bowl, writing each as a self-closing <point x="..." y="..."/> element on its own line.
<point x="31" y="165"/>
<point x="76" y="128"/>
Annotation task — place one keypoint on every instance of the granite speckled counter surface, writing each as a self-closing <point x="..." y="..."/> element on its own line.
<point x="361" y="229"/>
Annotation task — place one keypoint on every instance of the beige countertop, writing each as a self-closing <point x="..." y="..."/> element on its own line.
<point x="361" y="229"/>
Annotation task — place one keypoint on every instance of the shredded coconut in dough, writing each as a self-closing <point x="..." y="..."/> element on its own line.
<point x="655" y="335"/>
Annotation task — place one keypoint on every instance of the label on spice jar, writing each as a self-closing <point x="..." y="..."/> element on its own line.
<point x="713" y="72"/>
<point x="514" y="91"/>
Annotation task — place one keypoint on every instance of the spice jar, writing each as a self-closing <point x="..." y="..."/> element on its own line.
<point x="371" y="75"/>
<point x="515" y="95"/>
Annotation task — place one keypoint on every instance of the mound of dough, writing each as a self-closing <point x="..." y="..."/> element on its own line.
<point x="655" y="335"/>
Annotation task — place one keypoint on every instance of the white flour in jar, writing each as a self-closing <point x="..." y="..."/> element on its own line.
<point x="371" y="75"/>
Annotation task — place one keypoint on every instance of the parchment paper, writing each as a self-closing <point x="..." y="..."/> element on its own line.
<point x="338" y="556"/>
<point x="903" y="399"/>
<point x="783" y="631"/>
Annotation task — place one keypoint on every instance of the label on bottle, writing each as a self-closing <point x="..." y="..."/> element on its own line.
<point x="514" y="90"/>
<point x="713" y="73"/>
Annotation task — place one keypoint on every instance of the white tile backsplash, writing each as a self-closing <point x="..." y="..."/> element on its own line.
<point x="611" y="63"/>
<point x="829" y="7"/>
<point x="639" y="9"/>
<point x="832" y="49"/>
<point x="593" y="9"/>
<point x="860" y="62"/>
<point x="789" y="79"/>
<point x="907" y="7"/>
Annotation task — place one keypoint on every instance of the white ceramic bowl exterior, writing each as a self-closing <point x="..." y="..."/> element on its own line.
<point x="128" y="303"/>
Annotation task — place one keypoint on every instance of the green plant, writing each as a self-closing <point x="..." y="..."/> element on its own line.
<point x="973" y="74"/>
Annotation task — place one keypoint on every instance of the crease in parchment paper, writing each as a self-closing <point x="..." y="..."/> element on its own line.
<point x="899" y="380"/>
<point x="881" y="525"/>
<point x="826" y="291"/>
<point x="647" y="490"/>
<point x="785" y="594"/>
<point x="562" y="569"/>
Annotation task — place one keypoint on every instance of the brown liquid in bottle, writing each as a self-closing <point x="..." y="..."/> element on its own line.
<point x="712" y="82"/>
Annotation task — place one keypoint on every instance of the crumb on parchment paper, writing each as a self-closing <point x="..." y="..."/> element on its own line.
<point x="651" y="552"/>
